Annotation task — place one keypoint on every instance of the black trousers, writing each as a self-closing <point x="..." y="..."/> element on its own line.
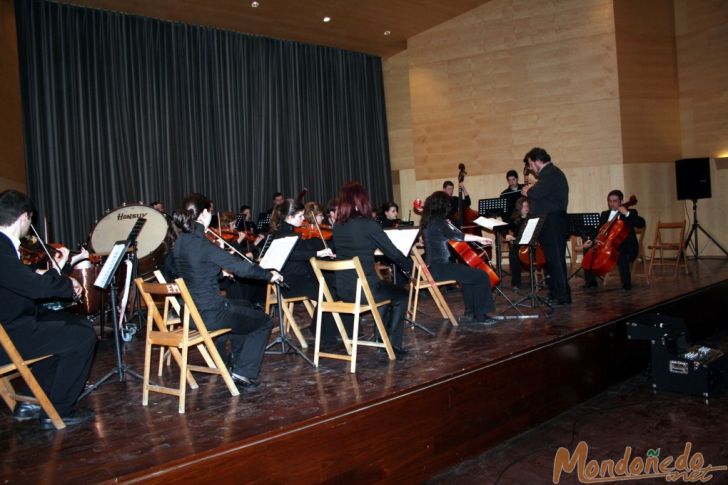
<point x="393" y="314"/>
<point x="514" y="264"/>
<point x="71" y="340"/>
<point x="250" y="330"/>
<point x="475" y="283"/>
<point x="309" y="287"/>
<point x="553" y="237"/>
<point x="624" y="261"/>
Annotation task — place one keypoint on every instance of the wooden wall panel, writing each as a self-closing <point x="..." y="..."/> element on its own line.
<point x="12" y="161"/>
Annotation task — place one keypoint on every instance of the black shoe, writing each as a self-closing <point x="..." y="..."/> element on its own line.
<point x="76" y="416"/>
<point x="399" y="351"/>
<point x="627" y="287"/>
<point x="466" y="319"/>
<point x="559" y="303"/>
<point x="486" y="320"/>
<point x="590" y="284"/>
<point x="26" y="410"/>
<point x="245" y="382"/>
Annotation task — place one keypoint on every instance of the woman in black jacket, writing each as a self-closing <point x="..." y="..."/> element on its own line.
<point x="199" y="262"/>
<point x="357" y="234"/>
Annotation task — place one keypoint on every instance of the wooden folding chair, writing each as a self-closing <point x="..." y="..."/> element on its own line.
<point x="662" y="245"/>
<point x="271" y="298"/>
<point x="422" y="279"/>
<point x="327" y="303"/>
<point x="179" y="339"/>
<point x="18" y="367"/>
<point x="174" y="321"/>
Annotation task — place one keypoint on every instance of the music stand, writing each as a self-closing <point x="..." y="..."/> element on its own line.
<point x="528" y="235"/>
<point x="274" y="259"/>
<point x="586" y="226"/>
<point x="263" y="224"/>
<point x="495" y="208"/>
<point x="107" y="279"/>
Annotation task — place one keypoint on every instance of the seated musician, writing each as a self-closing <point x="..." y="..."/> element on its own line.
<point x="70" y="339"/>
<point x="448" y="187"/>
<point x="437" y="231"/>
<point x="513" y="192"/>
<point x="331" y="209"/>
<point x="389" y="215"/>
<point x="199" y="262"/>
<point x="629" y="249"/>
<point x="357" y="234"/>
<point x="520" y="214"/>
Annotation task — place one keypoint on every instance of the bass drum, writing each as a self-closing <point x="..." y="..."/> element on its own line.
<point x="152" y="242"/>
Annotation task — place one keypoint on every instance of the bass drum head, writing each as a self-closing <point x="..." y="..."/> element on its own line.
<point x="116" y="225"/>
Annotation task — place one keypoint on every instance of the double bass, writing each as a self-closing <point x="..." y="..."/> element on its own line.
<point x="465" y="215"/>
<point x="603" y="256"/>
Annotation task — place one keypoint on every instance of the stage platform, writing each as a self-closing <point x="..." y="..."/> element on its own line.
<point x="452" y="397"/>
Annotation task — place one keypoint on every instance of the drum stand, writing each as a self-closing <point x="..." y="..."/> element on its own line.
<point x="282" y="338"/>
<point x="121" y="368"/>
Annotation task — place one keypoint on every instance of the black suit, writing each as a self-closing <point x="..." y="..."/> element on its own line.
<point x="628" y="250"/>
<point x="360" y="237"/>
<point x="69" y="338"/>
<point x="199" y="261"/>
<point x="549" y="197"/>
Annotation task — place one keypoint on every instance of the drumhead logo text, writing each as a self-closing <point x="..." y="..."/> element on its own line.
<point x="685" y="467"/>
<point x="121" y="217"/>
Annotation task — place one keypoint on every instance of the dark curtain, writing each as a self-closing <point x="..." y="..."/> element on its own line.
<point x="119" y="108"/>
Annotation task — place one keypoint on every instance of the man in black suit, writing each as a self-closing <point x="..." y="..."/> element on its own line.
<point x="449" y="188"/>
<point x="511" y="193"/>
<point x="629" y="248"/>
<point x="68" y="338"/>
<point x="549" y="198"/>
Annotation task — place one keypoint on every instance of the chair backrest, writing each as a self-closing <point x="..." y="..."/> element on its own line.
<point x="678" y="226"/>
<point x="342" y="265"/>
<point x="421" y="266"/>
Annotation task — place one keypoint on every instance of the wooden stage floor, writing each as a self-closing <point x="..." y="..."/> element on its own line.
<point x="476" y="385"/>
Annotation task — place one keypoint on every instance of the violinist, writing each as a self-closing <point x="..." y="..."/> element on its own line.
<point x="297" y="271"/>
<point x="513" y="192"/>
<point x="550" y="197"/>
<point x="519" y="216"/>
<point x="629" y="248"/>
<point x="357" y="234"/>
<point x="437" y="231"/>
<point x="199" y="262"/>
<point x="278" y="199"/>
<point x="69" y="338"/>
<point x="389" y="215"/>
<point x="448" y="187"/>
<point x="331" y="210"/>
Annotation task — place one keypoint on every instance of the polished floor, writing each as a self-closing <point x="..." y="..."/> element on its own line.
<point x="127" y="437"/>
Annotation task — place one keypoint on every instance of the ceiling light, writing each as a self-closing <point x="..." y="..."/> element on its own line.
<point x="386" y="32"/>
<point x="254" y="4"/>
<point x="327" y="19"/>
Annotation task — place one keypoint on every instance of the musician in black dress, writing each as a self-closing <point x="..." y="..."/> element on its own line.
<point x="629" y="248"/>
<point x="437" y="231"/>
<point x="68" y="338"/>
<point x="549" y="197"/>
<point x="199" y="262"/>
<point x="520" y="213"/>
<point x="389" y="215"/>
<point x="357" y="234"/>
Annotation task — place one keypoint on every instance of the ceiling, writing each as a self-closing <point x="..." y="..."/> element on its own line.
<point x="357" y="25"/>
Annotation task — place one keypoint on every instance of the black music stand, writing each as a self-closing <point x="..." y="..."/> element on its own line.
<point x="586" y="226"/>
<point x="534" y="224"/>
<point x="263" y="224"/>
<point x="107" y="279"/>
<point x="495" y="208"/>
<point x="275" y="258"/>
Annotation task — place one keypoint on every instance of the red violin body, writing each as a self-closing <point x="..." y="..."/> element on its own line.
<point x="539" y="257"/>
<point x="602" y="258"/>
<point x="474" y="261"/>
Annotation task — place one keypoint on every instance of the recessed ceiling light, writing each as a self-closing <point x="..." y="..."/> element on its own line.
<point x="327" y="19"/>
<point x="386" y="32"/>
<point x="254" y="4"/>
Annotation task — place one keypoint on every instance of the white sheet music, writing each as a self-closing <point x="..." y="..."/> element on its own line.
<point x="278" y="252"/>
<point x="403" y="239"/>
<point x="529" y="230"/>
<point x="490" y="223"/>
<point x="111" y="263"/>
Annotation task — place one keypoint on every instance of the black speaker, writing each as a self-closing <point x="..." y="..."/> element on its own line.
<point x="693" y="178"/>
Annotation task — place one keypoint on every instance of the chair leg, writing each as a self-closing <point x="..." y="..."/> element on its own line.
<point x="317" y="341"/>
<point x="147" y="370"/>
<point x="182" y="380"/>
<point x="212" y="353"/>
<point x="355" y="340"/>
<point x="7" y="391"/>
<point x="41" y="396"/>
<point x="288" y="315"/>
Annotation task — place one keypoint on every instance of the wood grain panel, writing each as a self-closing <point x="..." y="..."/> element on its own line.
<point x="12" y="162"/>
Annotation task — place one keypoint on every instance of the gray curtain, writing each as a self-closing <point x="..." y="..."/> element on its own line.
<point x="119" y="108"/>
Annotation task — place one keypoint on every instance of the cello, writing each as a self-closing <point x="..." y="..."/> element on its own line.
<point x="602" y="258"/>
<point x="472" y="259"/>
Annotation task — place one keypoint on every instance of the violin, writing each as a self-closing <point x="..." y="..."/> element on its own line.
<point x="310" y="231"/>
<point x="474" y="261"/>
<point x="228" y="235"/>
<point x="603" y="256"/>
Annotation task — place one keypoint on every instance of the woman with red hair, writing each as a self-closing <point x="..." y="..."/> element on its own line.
<point x="356" y="233"/>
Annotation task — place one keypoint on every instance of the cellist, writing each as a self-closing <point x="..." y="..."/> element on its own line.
<point x="629" y="248"/>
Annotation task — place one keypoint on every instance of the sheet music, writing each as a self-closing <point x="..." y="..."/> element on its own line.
<point x="490" y="223"/>
<point x="529" y="230"/>
<point x="112" y="262"/>
<point x="403" y="239"/>
<point x="277" y="254"/>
